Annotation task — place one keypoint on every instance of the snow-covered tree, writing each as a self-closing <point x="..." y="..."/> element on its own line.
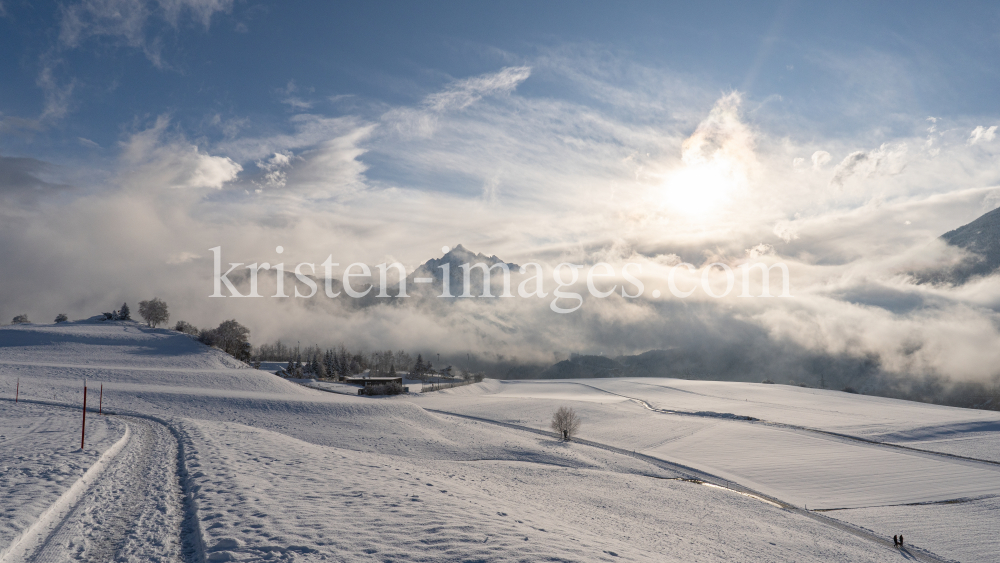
<point x="20" y="320"/>
<point x="154" y="311"/>
<point x="61" y="318"/>
<point x="231" y="337"/>
<point x="124" y="314"/>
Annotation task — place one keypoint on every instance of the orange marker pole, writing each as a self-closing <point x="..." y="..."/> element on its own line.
<point x="83" y="431"/>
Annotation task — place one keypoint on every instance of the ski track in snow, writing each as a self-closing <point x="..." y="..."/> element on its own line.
<point x="127" y="507"/>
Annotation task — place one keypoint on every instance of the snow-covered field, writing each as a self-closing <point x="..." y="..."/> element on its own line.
<point x="203" y="459"/>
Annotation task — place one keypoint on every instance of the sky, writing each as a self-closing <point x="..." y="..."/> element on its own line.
<point x="840" y="139"/>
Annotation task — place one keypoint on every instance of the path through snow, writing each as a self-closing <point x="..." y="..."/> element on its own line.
<point x="126" y="507"/>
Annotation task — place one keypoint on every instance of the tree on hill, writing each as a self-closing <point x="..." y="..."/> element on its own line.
<point x="186" y="328"/>
<point x="20" y="320"/>
<point x="231" y="337"/>
<point x="124" y="314"/>
<point x="154" y="312"/>
<point x="61" y="318"/>
<point x="565" y="423"/>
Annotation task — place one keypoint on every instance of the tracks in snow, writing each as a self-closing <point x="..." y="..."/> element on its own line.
<point x="694" y="475"/>
<point x="129" y="506"/>
<point x="823" y="433"/>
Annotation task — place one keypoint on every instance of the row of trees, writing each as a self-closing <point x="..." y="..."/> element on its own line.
<point x="154" y="312"/>
<point x="23" y="319"/>
<point x="340" y="363"/>
<point x="334" y="362"/>
<point x="123" y="314"/>
<point x="230" y="336"/>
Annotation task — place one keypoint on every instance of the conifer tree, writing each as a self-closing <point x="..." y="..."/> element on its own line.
<point x="419" y="369"/>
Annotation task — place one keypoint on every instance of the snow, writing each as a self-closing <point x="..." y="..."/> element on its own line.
<point x="40" y="459"/>
<point x="204" y="458"/>
<point x="942" y="528"/>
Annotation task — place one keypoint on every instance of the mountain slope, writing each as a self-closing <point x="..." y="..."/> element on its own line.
<point x="981" y="238"/>
<point x="454" y="260"/>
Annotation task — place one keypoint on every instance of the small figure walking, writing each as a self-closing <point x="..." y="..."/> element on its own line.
<point x="895" y="541"/>
<point x="900" y="540"/>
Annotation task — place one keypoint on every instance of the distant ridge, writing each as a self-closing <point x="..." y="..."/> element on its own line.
<point x="981" y="238"/>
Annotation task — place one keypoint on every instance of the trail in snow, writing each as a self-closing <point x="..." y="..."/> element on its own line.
<point x="695" y="475"/>
<point x="127" y="507"/>
<point x="785" y="425"/>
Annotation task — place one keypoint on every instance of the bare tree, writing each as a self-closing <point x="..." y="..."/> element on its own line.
<point x="20" y="320"/>
<point x="233" y="338"/>
<point x="565" y="423"/>
<point x="61" y="318"/>
<point x="186" y="328"/>
<point x="154" y="312"/>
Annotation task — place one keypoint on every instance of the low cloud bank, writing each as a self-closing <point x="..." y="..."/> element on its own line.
<point x="625" y="179"/>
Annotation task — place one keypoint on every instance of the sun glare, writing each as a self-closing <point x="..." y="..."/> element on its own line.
<point x="698" y="190"/>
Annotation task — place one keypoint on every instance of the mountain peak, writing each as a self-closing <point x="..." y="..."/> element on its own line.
<point x="455" y="258"/>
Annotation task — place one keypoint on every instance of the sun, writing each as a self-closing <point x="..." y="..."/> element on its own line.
<point x="698" y="190"/>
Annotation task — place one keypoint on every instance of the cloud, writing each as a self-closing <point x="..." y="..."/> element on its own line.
<point x="785" y="231"/>
<point x="87" y="143"/>
<point x="308" y="131"/>
<point x="421" y="122"/>
<point x="20" y="180"/>
<point x="57" y="96"/>
<point x="288" y="97"/>
<point x="819" y="159"/>
<point x="464" y="93"/>
<point x="333" y="168"/>
<point x="722" y="137"/>
<point x="18" y="125"/>
<point x="130" y="21"/>
<point x="118" y="18"/>
<point x="275" y="170"/>
<point x="982" y="134"/>
<point x="153" y="161"/>
<point x="200" y="10"/>
<point x="884" y="160"/>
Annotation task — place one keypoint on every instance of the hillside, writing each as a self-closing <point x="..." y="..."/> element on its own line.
<point x="203" y="459"/>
